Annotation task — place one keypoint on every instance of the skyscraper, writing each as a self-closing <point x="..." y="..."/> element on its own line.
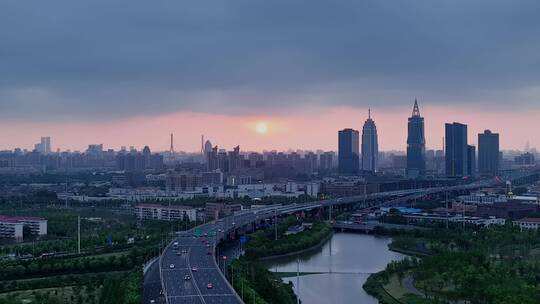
<point x="348" y="146"/>
<point x="44" y="146"/>
<point x="416" y="145"/>
<point x="488" y="153"/>
<point x="471" y="160"/>
<point x="370" y="146"/>
<point x="456" y="150"/>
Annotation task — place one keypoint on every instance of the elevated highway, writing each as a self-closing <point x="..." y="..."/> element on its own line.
<point x="188" y="270"/>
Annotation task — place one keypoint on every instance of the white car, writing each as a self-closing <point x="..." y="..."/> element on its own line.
<point x="171" y="266"/>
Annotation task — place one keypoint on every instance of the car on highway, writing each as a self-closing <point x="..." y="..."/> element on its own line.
<point x="194" y="269"/>
<point x="184" y="251"/>
<point x="171" y="266"/>
<point x="209" y="286"/>
<point x="187" y="277"/>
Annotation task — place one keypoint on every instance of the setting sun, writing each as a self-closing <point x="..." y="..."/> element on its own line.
<point x="261" y="127"/>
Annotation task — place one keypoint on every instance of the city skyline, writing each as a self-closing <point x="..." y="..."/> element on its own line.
<point x="221" y="69"/>
<point x="143" y="131"/>
<point x="172" y="151"/>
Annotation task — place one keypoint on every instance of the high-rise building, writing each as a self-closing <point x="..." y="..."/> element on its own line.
<point x="488" y="153"/>
<point x="525" y="159"/>
<point x="416" y="145"/>
<point x="471" y="160"/>
<point x="348" y="150"/>
<point x="44" y="146"/>
<point x="370" y="146"/>
<point x="207" y="146"/>
<point x="326" y="160"/>
<point x="456" y="149"/>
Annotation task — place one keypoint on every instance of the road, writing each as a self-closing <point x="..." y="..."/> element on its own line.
<point x="188" y="264"/>
<point x="152" y="284"/>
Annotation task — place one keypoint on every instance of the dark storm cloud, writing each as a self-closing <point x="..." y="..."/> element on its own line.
<point x="104" y="59"/>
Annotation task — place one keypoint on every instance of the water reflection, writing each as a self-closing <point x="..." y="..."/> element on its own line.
<point x="343" y="264"/>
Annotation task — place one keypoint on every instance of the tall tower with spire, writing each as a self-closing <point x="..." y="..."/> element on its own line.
<point x="416" y="144"/>
<point x="370" y="146"/>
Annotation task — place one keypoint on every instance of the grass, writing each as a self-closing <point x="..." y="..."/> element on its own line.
<point x="68" y="294"/>
<point x="395" y="288"/>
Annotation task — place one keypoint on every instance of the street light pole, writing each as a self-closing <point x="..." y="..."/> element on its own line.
<point x="79" y="234"/>
<point x="446" y="201"/>
<point x="275" y="223"/>
<point x="297" y="280"/>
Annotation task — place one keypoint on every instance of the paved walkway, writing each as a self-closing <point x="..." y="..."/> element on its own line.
<point x="408" y="283"/>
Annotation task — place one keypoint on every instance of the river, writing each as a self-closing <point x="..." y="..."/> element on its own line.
<point x="343" y="264"/>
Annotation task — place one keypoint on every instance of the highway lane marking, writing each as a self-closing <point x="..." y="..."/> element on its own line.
<point x="208" y="295"/>
<point x="198" y="268"/>
<point x="194" y="282"/>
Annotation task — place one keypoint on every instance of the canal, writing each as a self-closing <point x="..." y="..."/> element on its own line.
<point x="340" y="267"/>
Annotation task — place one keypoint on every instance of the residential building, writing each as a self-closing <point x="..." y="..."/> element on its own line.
<point x="525" y="159"/>
<point x="165" y="213"/>
<point x="219" y="210"/>
<point x="12" y="226"/>
<point x="471" y="160"/>
<point x="528" y="223"/>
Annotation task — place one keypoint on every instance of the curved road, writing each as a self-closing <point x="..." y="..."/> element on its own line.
<point x="187" y="266"/>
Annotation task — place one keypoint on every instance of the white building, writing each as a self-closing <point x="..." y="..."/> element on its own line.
<point x="528" y="223"/>
<point x="165" y="213"/>
<point x="482" y="198"/>
<point x="12" y="226"/>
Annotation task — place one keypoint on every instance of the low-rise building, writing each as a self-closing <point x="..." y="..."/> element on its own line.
<point x="528" y="223"/>
<point x="218" y="210"/>
<point x="12" y="226"/>
<point x="165" y="213"/>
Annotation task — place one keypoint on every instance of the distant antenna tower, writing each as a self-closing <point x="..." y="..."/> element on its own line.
<point x="202" y="144"/>
<point x="443" y="146"/>
<point x="171" y="149"/>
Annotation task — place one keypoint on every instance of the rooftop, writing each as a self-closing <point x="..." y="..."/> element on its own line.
<point x="17" y="219"/>
<point x="158" y="206"/>
<point x="529" y="220"/>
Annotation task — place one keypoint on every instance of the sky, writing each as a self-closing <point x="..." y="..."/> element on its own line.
<point x="128" y="73"/>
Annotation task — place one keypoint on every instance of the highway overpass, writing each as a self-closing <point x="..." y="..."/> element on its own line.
<point x="188" y="270"/>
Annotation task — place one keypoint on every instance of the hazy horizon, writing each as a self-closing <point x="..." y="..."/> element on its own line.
<point x="222" y="68"/>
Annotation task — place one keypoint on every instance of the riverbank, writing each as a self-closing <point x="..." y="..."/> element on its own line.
<point x="262" y="243"/>
<point x="335" y="272"/>
<point x="301" y="251"/>
<point x="464" y="265"/>
<point x="256" y="285"/>
<point x="408" y="252"/>
<point x="253" y="282"/>
<point x="395" y="284"/>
